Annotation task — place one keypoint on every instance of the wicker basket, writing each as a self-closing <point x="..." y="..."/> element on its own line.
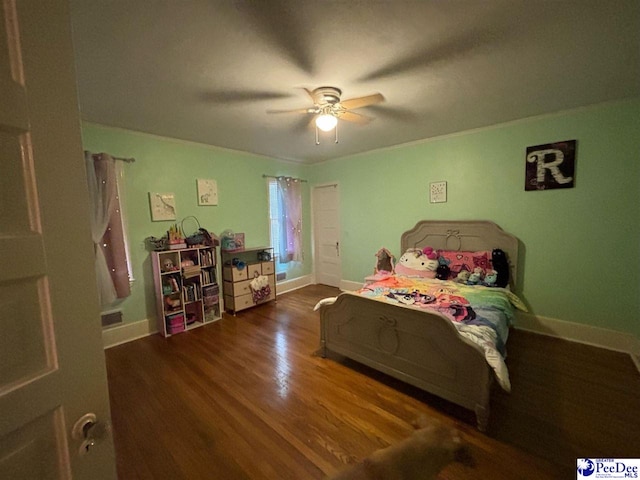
<point x="196" y="238"/>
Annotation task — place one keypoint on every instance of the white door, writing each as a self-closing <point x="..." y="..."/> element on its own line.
<point x="52" y="368"/>
<point x="326" y="223"/>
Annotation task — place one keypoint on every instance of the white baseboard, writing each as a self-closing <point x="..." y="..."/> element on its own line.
<point x="143" y="328"/>
<point x="127" y="333"/>
<point x="578" y="332"/>
<point x="349" y="286"/>
<point x="294" y="284"/>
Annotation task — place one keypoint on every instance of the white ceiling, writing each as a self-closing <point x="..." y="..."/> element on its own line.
<point x="207" y="71"/>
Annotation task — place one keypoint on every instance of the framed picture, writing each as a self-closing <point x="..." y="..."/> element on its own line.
<point x="438" y="192"/>
<point x="550" y="166"/>
<point x="163" y="206"/>
<point x="207" y="192"/>
<point x="240" y="241"/>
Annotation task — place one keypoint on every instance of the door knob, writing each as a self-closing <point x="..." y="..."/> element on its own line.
<point x="89" y="431"/>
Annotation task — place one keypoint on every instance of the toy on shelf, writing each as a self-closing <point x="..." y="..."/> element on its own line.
<point x="176" y="238"/>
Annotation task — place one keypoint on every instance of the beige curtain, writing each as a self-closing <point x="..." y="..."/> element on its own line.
<point x="106" y="228"/>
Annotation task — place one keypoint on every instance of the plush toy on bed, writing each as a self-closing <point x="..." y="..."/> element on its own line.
<point x="490" y="278"/>
<point x="463" y="276"/>
<point x="475" y="277"/>
<point x="500" y="265"/>
<point x="416" y="262"/>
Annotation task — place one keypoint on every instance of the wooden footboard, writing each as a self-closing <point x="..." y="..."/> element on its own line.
<point x="417" y="347"/>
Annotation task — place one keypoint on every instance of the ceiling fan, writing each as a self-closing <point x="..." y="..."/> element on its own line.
<point x="328" y="108"/>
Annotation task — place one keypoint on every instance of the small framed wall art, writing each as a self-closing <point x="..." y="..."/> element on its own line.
<point x="207" y="191"/>
<point x="550" y="166"/>
<point x="438" y="192"/>
<point x="163" y="206"/>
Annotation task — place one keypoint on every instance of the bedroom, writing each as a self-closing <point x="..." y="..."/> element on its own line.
<point x="569" y="236"/>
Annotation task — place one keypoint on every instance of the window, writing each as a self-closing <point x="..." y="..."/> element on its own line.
<point x="285" y="218"/>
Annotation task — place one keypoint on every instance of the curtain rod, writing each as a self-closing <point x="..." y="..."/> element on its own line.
<point x="122" y="159"/>
<point x="264" y="175"/>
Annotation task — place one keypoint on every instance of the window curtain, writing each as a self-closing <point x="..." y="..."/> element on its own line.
<point x="292" y="219"/>
<point x="106" y="228"/>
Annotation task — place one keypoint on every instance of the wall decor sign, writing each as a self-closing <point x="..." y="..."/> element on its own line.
<point x="550" y="166"/>
<point x="163" y="206"/>
<point x="438" y="192"/>
<point x="207" y="191"/>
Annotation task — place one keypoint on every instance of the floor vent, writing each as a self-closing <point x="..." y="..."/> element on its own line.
<point x="110" y="319"/>
<point x="281" y="276"/>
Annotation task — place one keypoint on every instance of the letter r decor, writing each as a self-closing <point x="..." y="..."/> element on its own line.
<point x="550" y="166"/>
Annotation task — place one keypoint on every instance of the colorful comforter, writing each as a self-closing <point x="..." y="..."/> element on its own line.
<point x="481" y="314"/>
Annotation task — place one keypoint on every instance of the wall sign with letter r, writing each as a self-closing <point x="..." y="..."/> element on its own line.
<point x="550" y="166"/>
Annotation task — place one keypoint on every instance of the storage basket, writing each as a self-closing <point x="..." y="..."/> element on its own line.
<point x="198" y="237"/>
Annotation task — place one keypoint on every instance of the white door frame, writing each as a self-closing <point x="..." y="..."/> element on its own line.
<point x="313" y="228"/>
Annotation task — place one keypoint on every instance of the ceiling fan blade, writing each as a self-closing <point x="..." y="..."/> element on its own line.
<point x="298" y="110"/>
<point x="394" y="113"/>
<point x="239" y="96"/>
<point x="355" y="118"/>
<point x="282" y="25"/>
<point x="449" y="49"/>
<point x="310" y="93"/>
<point x="304" y="124"/>
<point x="362" y="101"/>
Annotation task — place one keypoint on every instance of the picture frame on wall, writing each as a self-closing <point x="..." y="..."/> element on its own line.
<point x="438" y="192"/>
<point x="163" y="206"/>
<point x="207" y="191"/>
<point x="550" y="166"/>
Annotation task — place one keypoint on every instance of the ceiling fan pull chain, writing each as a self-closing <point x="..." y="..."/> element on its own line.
<point x="336" y="129"/>
<point x="317" y="138"/>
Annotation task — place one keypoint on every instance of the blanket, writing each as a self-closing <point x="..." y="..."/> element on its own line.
<point x="481" y="314"/>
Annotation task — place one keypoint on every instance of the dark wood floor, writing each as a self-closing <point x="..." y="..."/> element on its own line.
<point x="246" y="398"/>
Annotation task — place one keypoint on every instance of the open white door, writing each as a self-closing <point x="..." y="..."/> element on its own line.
<point x="326" y="228"/>
<point x="52" y="369"/>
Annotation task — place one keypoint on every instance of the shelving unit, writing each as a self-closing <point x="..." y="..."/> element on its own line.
<point x="237" y="281"/>
<point x="186" y="287"/>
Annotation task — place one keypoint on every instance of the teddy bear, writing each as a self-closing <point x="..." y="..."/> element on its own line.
<point x="416" y="262"/>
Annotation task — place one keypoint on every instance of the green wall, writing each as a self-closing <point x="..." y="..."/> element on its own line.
<point x="579" y="247"/>
<point x="167" y="165"/>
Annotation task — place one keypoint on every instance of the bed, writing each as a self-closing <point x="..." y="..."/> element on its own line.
<point x="422" y="347"/>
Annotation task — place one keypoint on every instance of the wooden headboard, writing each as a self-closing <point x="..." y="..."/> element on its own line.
<point x="471" y="236"/>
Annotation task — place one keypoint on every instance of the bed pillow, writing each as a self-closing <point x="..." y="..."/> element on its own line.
<point x="458" y="261"/>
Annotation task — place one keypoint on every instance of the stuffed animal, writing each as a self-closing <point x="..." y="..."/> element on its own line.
<point x="418" y="263"/>
<point x="463" y="276"/>
<point x="442" y="272"/>
<point x="501" y="266"/>
<point x="476" y="277"/>
<point x="490" y="278"/>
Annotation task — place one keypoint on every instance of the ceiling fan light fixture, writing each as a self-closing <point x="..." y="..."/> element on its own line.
<point x="326" y="122"/>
